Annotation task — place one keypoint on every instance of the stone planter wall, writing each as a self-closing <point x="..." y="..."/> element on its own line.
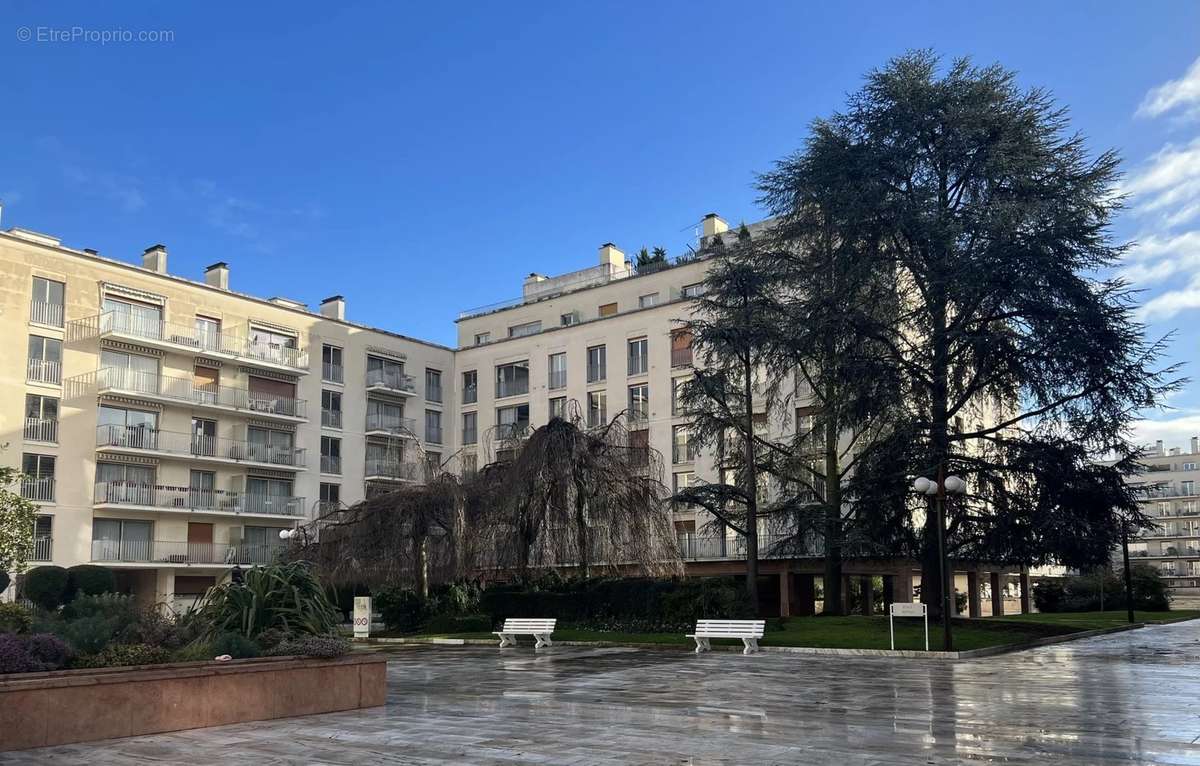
<point x="40" y="709"/>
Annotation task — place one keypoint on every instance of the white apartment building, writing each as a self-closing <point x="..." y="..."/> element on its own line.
<point x="1171" y="488"/>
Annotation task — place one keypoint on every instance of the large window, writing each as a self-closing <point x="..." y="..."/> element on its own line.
<point x="683" y="449"/>
<point x="331" y="408"/>
<point x="41" y="418"/>
<point x="512" y="422"/>
<point x="639" y="403"/>
<point x="265" y="495"/>
<point x="38" y="482"/>
<point x="331" y="496"/>
<point x="521" y="330"/>
<point x="597" y="409"/>
<point x="131" y="318"/>
<point x="331" y="455"/>
<point x="482" y="338"/>
<point x="331" y="364"/>
<point x="387" y="373"/>
<point x="121" y="427"/>
<point x="433" y="426"/>
<point x="386" y="416"/>
<point x="596" y="364"/>
<point x="125" y="483"/>
<point x="512" y="379"/>
<point x="558" y="371"/>
<point x="693" y="290"/>
<point x="271" y="446"/>
<point x="43" y="538"/>
<point x="47" y="304"/>
<point x="677" y="385"/>
<point x="558" y="407"/>
<point x="121" y="540"/>
<point x="470" y="432"/>
<point x="45" y="360"/>
<point x="208" y="333"/>
<point x="470" y="388"/>
<point x="681" y="348"/>
<point x="132" y="372"/>
<point x="433" y="385"/>
<point x="639" y="362"/>
<point x="648" y="300"/>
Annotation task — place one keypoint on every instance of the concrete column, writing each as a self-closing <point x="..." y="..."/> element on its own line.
<point x="845" y="594"/>
<point x="902" y="587"/>
<point x="804" y="592"/>
<point x="868" y="594"/>
<point x="997" y="594"/>
<point x="785" y="594"/>
<point x="974" y="607"/>
<point x="1026" y="592"/>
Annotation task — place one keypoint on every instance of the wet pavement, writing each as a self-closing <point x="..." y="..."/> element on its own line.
<point x="1131" y="697"/>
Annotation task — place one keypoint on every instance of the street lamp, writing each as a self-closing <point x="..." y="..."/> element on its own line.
<point x="938" y="489"/>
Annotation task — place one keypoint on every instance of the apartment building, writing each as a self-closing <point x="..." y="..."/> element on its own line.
<point x="171" y="428"/>
<point x="1171" y="489"/>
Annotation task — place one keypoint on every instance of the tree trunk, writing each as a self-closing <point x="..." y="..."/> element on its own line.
<point x="421" y="565"/>
<point x="939" y="440"/>
<point x="582" y="541"/>
<point x="751" y="491"/>
<point x="458" y="537"/>
<point x="833" y="522"/>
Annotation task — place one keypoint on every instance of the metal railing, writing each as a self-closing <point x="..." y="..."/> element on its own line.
<point x="511" y="388"/>
<point x="639" y="364"/>
<point x="43" y="371"/>
<point x="38" y="488"/>
<point x="684" y="452"/>
<point x="596" y="373"/>
<point x="50" y="314"/>
<point x="681" y="357"/>
<point x="43" y="548"/>
<point x="470" y="436"/>
<point x="41" y="430"/>
<point x="512" y="430"/>
<point x="433" y="394"/>
<point x="331" y="464"/>
<point x="393" y="380"/>
<point x="187" y="390"/>
<point x="580" y="278"/>
<point x="332" y="372"/>
<point x="392" y="424"/>
<point x="558" y="379"/>
<point x="433" y="435"/>
<point x="195" y="499"/>
<point x="196" y="445"/>
<point x="390" y="469"/>
<point x="331" y="418"/>
<point x="470" y="394"/>
<point x="173" y="552"/>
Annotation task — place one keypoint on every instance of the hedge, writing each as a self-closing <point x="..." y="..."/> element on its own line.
<point x="90" y="580"/>
<point x="46" y="586"/>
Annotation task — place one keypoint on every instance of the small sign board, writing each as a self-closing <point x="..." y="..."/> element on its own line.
<point x="362" y="616"/>
<point x="901" y="609"/>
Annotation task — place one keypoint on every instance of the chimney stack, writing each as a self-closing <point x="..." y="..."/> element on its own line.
<point x="155" y="258"/>
<point x="612" y="256"/>
<point x="217" y="275"/>
<point x="1195" y="445"/>
<point x="334" y="307"/>
<point x="713" y="224"/>
<point x="1158" y="448"/>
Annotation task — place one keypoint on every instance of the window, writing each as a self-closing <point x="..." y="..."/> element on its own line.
<point x="433" y="385"/>
<point x="41" y="418"/>
<point x="558" y="407"/>
<point x="512" y="379"/>
<point x="265" y="338"/>
<point x="648" y="300"/>
<point x="512" y="422"/>
<point x="597" y="410"/>
<point x="331" y="496"/>
<point x="433" y="464"/>
<point x="596" y="364"/>
<point x="331" y="455"/>
<point x="681" y="348"/>
<point x="693" y="291"/>
<point x="331" y="408"/>
<point x="470" y="389"/>
<point x="43" y="538"/>
<point x="521" y="330"/>
<point x="125" y="483"/>
<point x="38" y="482"/>
<point x="121" y="427"/>
<point x="331" y="364"/>
<point x="639" y="362"/>
<point x="386" y="416"/>
<point x="47" y="304"/>
<point x="470" y="465"/>
<point x="683" y="449"/>
<point x="806" y="428"/>
<point x="470" y="433"/>
<point x="387" y="373"/>
<point x="204" y="437"/>
<point x="558" y="371"/>
<point x="121" y="540"/>
<point x="677" y="385"/>
<point x="267" y="445"/>
<point x="639" y="403"/>
<point x="1189" y="466"/>
<point x="639" y="445"/>
<point x="131" y="372"/>
<point x="568" y="319"/>
<point x="608" y="309"/>
<point x="681" y="481"/>
<point x="1187" y="487"/>
<point x="208" y="333"/>
<point x="433" y="426"/>
<point x="482" y="337"/>
<point x="202" y="487"/>
<point x="45" y="360"/>
<point x="130" y="318"/>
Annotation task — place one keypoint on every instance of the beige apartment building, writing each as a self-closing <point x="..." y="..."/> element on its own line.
<point x="1171" y="490"/>
<point x="171" y="428"/>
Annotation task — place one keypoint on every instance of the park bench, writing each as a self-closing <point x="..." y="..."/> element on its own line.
<point x="538" y="628"/>
<point x="747" y="630"/>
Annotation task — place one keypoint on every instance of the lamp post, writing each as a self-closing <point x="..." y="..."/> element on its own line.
<point x="938" y="489"/>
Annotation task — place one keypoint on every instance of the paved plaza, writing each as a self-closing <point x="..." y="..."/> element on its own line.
<point x="1127" y="698"/>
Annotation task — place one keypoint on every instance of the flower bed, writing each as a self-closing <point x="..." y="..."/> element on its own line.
<point x="56" y="708"/>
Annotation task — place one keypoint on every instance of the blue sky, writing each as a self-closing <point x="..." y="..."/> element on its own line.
<point x="422" y="158"/>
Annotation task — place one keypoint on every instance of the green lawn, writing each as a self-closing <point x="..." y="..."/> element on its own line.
<point x="1105" y="619"/>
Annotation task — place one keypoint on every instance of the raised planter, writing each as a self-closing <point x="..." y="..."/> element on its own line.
<point x="40" y="709"/>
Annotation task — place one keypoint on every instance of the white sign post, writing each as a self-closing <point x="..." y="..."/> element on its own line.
<point x="908" y="610"/>
<point x="362" y="616"/>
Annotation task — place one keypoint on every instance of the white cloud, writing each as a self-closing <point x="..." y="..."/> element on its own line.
<point x="1174" y="432"/>
<point x="1172" y="302"/>
<point x="1167" y="186"/>
<point x="1173" y="94"/>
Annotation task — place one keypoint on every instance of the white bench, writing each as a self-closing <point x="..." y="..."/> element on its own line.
<point x="538" y="628"/>
<point x="747" y="630"/>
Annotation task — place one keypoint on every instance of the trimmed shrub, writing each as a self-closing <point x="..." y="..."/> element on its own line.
<point x="235" y="645"/>
<point x="402" y="609"/>
<point x="90" y="580"/>
<point x="48" y="649"/>
<point x="124" y="655"/>
<point x="31" y="654"/>
<point x="271" y="638"/>
<point x="200" y="651"/>
<point x="1088" y="593"/>
<point x="458" y="623"/>
<point x="325" y="647"/>
<point x="45" y="586"/>
<point x="15" y="618"/>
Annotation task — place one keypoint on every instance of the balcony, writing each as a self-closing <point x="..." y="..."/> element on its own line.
<point x="211" y="449"/>
<point x="162" y="388"/>
<point x="389" y="381"/>
<point x="386" y="469"/>
<point x="509" y="431"/>
<point x="38" y="488"/>
<point x="332" y="373"/>
<point x="44" y="371"/>
<point x="43" y="548"/>
<point x="41" y="430"/>
<point x="183" y="554"/>
<point x="681" y="357"/>
<point x="433" y="435"/>
<point x="190" y="339"/>
<point x="511" y="388"/>
<point x="379" y="423"/>
<point x="684" y="452"/>
<point x="157" y="497"/>
<point x="433" y="394"/>
<point x="558" y="379"/>
<point x="331" y="464"/>
<point x="49" y="314"/>
<point x="331" y="418"/>
<point x="708" y="548"/>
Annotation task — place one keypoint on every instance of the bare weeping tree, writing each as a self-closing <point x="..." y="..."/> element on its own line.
<point x="588" y="498"/>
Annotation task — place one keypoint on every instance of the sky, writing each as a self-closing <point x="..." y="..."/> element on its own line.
<point x="421" y="159"/>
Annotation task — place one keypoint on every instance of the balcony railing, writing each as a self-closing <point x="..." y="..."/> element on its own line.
<point x="595" y="373"/>
<point x="681" y="357"/>
<point x="558" y="379"/>
<point x="43" y="548"/>
<point x="332" y="372"/>
<point x="331" y="464"/>
<point x="638" y="364"/>
<point x="44" y="371"/>
<point x="433" y="435"/>
<point x="433" y="394"/>
<point x="171" y="552"/>
<point x="331" y="418"/>
<point x="511" y="388"/>
<point x="694" y="547"/>
<point x="684" y="452"/>
<point x="194" y="499"/>
<point x="186" y="390"/>
<point x="470" y="395"/>
<point x="512" y="430"/>
<point x="50" y="314"/>
<point x="391" y="380"/>
<point x="392" y="424"/>
<point x="390" y="469"/>
<point x="41" y="430"/>
<point x="38" y="488"/>
<point x="470" y="436"/>
<point x="198" y="446"/>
